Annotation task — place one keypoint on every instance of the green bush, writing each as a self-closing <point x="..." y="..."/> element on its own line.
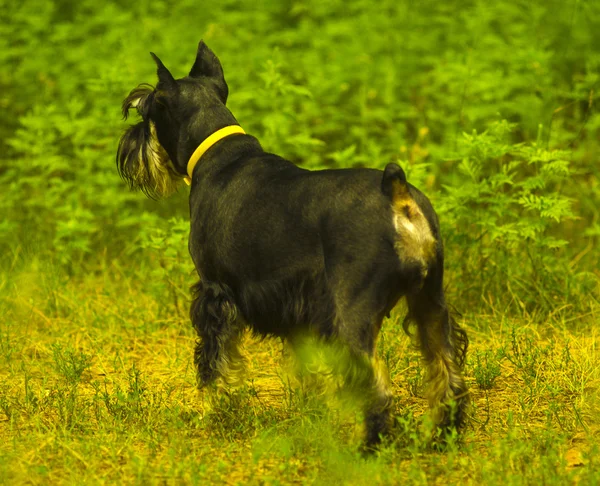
<point x="325" y="84"/>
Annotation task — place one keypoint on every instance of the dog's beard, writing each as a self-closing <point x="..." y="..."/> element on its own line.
<point x="141" y="160"/>
<point x="144" y="164"/>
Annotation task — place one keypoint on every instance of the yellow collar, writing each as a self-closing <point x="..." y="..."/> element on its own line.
<point x="208" y="143"/>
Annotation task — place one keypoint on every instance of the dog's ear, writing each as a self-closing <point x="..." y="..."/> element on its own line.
<point x="208" y="65"/>
<point x="164" y="76"/>
<point x="139" y="98"/>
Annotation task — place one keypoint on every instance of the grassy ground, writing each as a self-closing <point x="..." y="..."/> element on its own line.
<point x="492" y="110"/>
<point x="97" y="385"/>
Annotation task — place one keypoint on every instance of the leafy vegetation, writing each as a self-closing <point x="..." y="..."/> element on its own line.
<point x="490" y="108"/>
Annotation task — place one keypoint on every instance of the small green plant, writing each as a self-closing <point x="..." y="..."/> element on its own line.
<point x="5" y="406"/>
<point x="234" y="413"/>
<point x="136" y="391"/>
<point x="527" y="354"/>
<point x="132" y="403"/>
<point x="486" y="369"/>
<point x="70" y="364"/>
<point x="6" y="347"/>
<point x="168" y="245"/>
<point x="414" y="374"/>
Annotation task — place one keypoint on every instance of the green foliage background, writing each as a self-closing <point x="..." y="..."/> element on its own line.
<point x="490" y="107"/>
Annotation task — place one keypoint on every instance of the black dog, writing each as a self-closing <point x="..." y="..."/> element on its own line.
<point x="287" y="251"/>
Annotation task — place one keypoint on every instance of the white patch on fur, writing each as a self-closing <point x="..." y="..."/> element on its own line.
<point x="415" y="241"/>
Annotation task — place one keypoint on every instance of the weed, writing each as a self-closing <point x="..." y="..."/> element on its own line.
<point x="486" y="369"/>
<point x="5" y="407"/>
<point x="414" y="375"/>
<point x="70" y="364"/>
<point x="6" y="347"/>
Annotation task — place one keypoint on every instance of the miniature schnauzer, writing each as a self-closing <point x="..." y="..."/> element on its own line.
<point x="288" y="252"/>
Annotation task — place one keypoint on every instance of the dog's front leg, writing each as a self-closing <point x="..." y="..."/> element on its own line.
<point x="214" y="316"/>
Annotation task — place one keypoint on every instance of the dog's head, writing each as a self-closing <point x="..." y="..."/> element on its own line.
<point x="177" y="115"/>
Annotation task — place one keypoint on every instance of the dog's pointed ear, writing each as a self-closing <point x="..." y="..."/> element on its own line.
<point x="208" y="65"/>
<point x="164" y="75"/>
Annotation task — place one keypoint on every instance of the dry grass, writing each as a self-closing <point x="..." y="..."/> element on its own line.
<point x="97" y="385"/>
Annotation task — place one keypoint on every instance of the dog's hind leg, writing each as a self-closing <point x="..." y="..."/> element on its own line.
<point x="214" y="316"/>
<point x="443" y="346"/>
<point x="378" y="407"/>
<point x="364" y="375"/>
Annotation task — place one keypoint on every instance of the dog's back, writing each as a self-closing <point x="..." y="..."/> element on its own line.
<point x="274" y="234"/>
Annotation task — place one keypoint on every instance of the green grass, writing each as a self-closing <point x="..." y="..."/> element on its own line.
<point x="97" y="385"/>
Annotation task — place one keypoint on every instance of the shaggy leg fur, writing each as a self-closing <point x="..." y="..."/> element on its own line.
<point x="214" y="316"/>
<point x="443" y="345"/>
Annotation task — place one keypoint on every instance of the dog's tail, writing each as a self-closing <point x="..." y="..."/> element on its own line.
<point x="394" y="184"/>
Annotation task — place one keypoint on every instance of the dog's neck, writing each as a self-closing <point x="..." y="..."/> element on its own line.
<point x="224" y="151"/>
<point x="208" y="142"/>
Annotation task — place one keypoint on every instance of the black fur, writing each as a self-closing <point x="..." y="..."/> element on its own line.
<point x="213" y="314"/>
<point x="288" y="251"/>
<point x="392" y="172"/>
